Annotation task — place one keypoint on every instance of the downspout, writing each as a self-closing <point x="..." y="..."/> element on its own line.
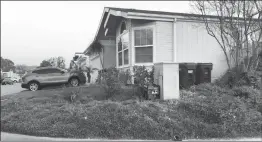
<point x="174" y="41"/>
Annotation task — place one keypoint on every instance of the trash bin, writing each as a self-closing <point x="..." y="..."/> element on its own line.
<point x="203" y="73"/>
<point x="187" y="74"/>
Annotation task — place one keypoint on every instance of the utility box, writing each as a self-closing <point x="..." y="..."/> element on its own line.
<point x="203" y="73"/>
<point x="152" y="92"/>
<point x="166" y="75"/>
<point x="187" y="75"/>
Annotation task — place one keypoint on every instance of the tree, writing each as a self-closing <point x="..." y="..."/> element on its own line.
<point x="60" y="62"/>
<point x="54" y="61"/>
<point x="21" y="69"/>
<point x="7" y="65"/>
<point x="236" y="26"/>
<point x="45" y="63"/>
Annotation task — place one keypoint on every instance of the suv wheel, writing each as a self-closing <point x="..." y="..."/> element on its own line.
<point x="74" y="82"/>
<point x="33" y="86"/>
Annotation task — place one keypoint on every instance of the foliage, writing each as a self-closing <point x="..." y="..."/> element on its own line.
<point x="110" y="81"/>
<point x="61" y="62"/>
<point x="75" y="57"/>
<point x="54" y="61"/>
<point x="237" y="29"/>
<point x="235" y="111"/>
<point x="230" y="79"/>
<point x="205" y="111"/>
<point x="21" y="69"/>
<point x="125" y="76"/>
<point x="45" y="63"/>
<point x="142" y="77"/>
<point x="74" y="95"/>
<point x="7" y="65"/>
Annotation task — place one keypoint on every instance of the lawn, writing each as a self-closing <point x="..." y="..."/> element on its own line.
<point x="202" y="113"/>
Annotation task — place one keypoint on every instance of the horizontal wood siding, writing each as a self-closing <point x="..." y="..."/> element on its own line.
<point x="195" y="45"/>
<point x="109" y="53"/>
<point x="95" y="63"/>
<point x="164" y="41"/>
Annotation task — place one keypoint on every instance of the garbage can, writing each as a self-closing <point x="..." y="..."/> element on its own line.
<point x="203" y="73"/>
<point x="187" y="74"/>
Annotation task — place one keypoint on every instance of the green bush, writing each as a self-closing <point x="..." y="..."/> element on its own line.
<point x="124" y="77"/>
<point x="230" y="79"/>
<point x="110" y="81"/>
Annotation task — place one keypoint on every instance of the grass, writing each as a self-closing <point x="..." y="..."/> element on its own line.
<point x="49" y="113"/>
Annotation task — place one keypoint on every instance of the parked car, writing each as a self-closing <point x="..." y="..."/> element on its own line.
<point x="46" y="76"/>
<point x="6" y="81"/>
<point x="14" y="79"/>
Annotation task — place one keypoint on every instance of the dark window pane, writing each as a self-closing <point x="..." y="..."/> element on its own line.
<point x="119" y="45"/>
<point x="123" y="27"/>
<point x="120" y="58"/>
<point x="144" y="54"/>
<point x="143" y="37"/>
<point x="54" y="71"/>
<point x="41" y="71"/>
<point x="137" y="38"/>
<point x="149" y="37"/>
<point x="126" y="57"/>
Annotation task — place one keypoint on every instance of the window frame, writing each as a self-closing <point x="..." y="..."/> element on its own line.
<point x="123" y="50"/>
<point x="153" y="45"/>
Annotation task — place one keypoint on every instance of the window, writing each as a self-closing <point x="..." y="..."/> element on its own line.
<point x="143" y="45"/>
<point x="122" y="49"/>
<point x="123" y="27"/>
<point x="46" y="71"/>
<point x="54" y="71"/>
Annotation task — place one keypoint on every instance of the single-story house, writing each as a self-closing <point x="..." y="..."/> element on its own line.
<point x="140" y="37"/>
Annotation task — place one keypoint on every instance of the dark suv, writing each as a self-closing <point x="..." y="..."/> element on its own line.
<point x="43" y="76"/>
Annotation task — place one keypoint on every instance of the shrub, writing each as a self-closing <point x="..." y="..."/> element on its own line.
<point x="235" y="111"/>
<point x="125" y="76"/>
<point x="110" y="81"/>
<point x="142" y="78"/>
<point x="231" y="79"/>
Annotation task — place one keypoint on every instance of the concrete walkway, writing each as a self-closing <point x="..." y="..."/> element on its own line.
<point x="18" y="137"/>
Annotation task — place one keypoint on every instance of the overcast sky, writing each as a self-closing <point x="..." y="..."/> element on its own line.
<point x="32" y="31"/>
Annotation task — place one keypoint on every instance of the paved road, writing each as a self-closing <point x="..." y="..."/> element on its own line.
<point x="17" y="137"/>
<point x="11" y="89"/>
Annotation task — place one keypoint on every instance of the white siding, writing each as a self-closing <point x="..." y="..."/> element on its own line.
<point x="164" y="41"/>
<point x="95" y="63"/>
<point x="195" y="45"/>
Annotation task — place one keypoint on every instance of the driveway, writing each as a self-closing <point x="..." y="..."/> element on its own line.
<point x="11" y="89"/>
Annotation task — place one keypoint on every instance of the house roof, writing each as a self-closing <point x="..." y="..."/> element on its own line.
<point x="157" y="12"/>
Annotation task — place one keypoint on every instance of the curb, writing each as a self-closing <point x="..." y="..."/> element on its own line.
<point x="18" y="137"/>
